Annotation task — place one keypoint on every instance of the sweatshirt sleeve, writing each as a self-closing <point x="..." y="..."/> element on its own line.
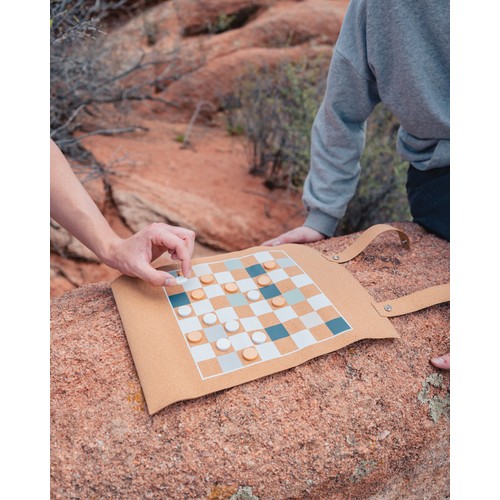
<point x="338" y="132"/>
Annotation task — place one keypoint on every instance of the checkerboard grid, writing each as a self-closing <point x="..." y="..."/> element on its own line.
<point x="242" y="339"/>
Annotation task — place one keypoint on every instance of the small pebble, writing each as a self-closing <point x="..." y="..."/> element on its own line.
<point x="383" y="435"/>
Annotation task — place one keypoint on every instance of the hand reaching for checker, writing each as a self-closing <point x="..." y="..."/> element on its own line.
<point x="133" y="256"/>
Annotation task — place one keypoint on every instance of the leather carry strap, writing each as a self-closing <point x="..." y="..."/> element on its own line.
<point x="364" y="240"/>
<point x="402" y="305"/>
<point x="414" y="301"/>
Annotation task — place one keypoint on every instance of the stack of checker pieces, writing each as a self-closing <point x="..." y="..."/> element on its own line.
<point x="239" y="312"/>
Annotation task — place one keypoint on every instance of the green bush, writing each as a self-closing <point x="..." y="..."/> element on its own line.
<point x="275" y="109"/>
<point x="381" y="193"/>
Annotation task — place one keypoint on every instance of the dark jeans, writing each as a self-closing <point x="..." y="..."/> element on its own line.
<point x="429" y="197"/>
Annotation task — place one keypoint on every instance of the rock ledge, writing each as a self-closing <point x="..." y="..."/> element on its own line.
<point x="368" y="421"/>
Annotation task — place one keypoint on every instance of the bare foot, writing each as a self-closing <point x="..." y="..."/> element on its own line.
<point x="442" y="362"/>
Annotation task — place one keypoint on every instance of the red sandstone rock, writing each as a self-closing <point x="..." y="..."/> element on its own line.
<point x="312" y="432"/>
<point x="202" y="59"/>
<point x="206" y="188"/>
<point x="288" y="31"/>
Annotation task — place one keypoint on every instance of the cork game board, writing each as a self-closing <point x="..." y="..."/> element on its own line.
<point x="247" y="314"/>
<point x="244" y="315"/>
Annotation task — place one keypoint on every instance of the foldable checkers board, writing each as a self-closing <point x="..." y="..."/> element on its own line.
<point x="247" y="314"/>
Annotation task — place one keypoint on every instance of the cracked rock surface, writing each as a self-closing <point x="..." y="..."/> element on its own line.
<point x="356" y="423"/>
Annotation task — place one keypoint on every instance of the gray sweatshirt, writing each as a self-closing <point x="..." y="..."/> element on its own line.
<point x="394" y="51"/>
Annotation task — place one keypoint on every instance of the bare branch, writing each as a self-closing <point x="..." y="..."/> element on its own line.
<point x="115" y="131"/>
<point x="68" y="121"/>
<point x="199" y="106"/>
<point x="91" y="77"/>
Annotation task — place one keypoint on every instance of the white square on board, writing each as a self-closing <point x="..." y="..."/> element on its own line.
<point x="303" y="338"/>
<point x="301" y="280"/>
<point x="202" y="352"/>
<point x="213" y="291"/>
<point x="261" y="307"/>
<point x="267" y="351"/>
<point x="318" y="301"/>
<point x="277" y="275"/>
<point x="246" y="284"/>
<point x="192" y="284"/>
<point x="201" y="269"/>
<point x="285" y="313"/>
<point x="226" y="314"/>
<point x="263" y="256"/>
<point x="202" y="307"/>
<point x="223" y="277"/>
<point x="189" y="324"/>
<point x="311" y="319"/>
<point x="251" y="324"/>
<point x="241" y="340"/>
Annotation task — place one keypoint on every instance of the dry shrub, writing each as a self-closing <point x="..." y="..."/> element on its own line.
<point x="92" y="80"/>
<point x="275" y="108"/>
<point x="381" y="193"/>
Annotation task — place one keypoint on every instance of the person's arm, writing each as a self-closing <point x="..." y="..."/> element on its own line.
<point x="73" y="208"/>
<point x="338" y="132"/>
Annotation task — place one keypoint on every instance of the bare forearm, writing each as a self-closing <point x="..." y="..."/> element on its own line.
<point x="73" y="208"/>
